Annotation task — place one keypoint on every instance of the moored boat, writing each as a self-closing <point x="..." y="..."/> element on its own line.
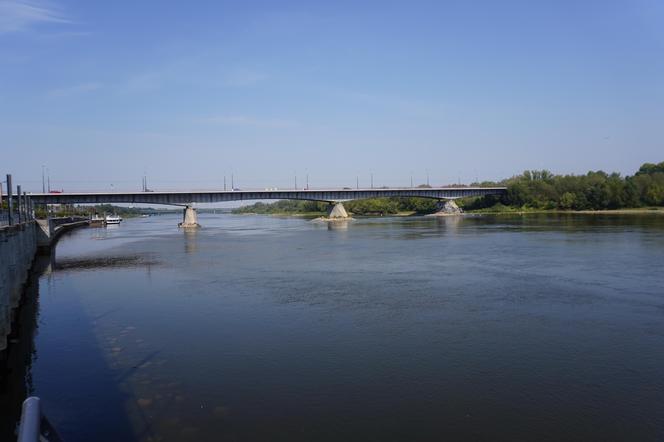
<point x="113" y="219"/>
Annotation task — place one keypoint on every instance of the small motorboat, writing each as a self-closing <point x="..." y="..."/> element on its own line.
<point x="113" y="219"/>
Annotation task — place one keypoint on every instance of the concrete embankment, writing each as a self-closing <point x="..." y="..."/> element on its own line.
<point x="18" y="246"/>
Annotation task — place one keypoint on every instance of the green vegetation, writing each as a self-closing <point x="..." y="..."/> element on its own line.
<point x="542" y="190"/>
<point x="533" y="190"/>
<point x="376" y="206"/>
<point x="71" y="210"/>
<point x="284" y="207"/>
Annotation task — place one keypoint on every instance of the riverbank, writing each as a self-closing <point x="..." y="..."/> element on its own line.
<point x="520" y="211"/>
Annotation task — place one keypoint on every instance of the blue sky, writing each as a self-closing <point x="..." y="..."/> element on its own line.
<point x="101" y="92"/>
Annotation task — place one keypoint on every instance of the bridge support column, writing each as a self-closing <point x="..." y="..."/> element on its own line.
<point x="337" y="211"/>
<point x="189" y="218"/>
<point x="447" y="208"/>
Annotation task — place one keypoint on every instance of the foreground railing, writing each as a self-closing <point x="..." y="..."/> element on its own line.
<point x="34" y="426"/>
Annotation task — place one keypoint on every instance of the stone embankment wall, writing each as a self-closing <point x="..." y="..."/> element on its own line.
<point x="18" y="246"/>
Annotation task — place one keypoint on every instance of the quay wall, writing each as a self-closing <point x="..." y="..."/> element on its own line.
<point x="18" y="247"/>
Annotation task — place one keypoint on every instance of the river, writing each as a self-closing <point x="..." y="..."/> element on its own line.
<point x="539" y="327"/>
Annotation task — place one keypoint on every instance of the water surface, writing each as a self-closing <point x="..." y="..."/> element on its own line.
<point x="260" y="328"/>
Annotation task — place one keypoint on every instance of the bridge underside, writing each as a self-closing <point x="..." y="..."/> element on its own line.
<point x="330" y="196"/>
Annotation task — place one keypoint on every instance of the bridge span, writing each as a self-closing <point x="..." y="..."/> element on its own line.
<point x="333" y="196"/>
<point x="216" y="196"/>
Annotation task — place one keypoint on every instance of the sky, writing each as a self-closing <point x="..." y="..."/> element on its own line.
<point x="101" y="93"/>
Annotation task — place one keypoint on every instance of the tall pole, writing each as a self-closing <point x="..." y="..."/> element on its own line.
<point x="19" y="205"/>
<point x="0" y="194"/>
<point x="357" y="182"/>
<point x="232" y="182"/>
<point x="224" y="182"/>
<point x="296" y="181"/>
<point x="372" y="180"/>
<point x="307" y="181"/>
<point x="43" y="181"/>
<point x="411" y="179"/>
<point x="10" y="200"/>
<point x="48" y="179"/>
<point x="26" y="208"/>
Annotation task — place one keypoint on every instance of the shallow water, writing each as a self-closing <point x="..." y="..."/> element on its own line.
<point x="541" y="327"/>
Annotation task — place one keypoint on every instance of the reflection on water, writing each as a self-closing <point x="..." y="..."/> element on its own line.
<point x="261" y="328"/>
<point x="190" y="240"/>
<point x="338" y="225"/>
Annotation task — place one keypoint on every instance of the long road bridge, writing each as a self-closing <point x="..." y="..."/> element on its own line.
<point x="333" y="196"/>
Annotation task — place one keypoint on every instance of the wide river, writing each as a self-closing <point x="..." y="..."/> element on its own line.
<point x="540" y="327"/>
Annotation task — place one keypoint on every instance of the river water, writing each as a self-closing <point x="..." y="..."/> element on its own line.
<point x="541" y="327"/>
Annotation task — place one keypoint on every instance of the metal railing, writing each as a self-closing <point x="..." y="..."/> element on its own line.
<point x="34" y="427"/>
<point x="16" y="207"/>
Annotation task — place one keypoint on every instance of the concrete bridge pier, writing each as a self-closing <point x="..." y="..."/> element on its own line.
<point x="189" y="218"/>
<point x="336" y="210"/>
<point x="447" y="208"/>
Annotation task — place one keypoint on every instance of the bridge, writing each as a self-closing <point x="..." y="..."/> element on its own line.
<point x="334" y="197"/>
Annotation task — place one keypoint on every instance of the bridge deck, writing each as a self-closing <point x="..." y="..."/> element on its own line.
<point x="328" y="195"/>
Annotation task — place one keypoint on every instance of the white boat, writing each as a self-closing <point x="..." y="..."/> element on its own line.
<point x="113" y="219"/>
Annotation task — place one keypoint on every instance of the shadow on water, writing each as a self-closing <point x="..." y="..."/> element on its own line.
<point x="15" y="375"/>
<point x="130" y="261"/>
<point x="66" y="392"/>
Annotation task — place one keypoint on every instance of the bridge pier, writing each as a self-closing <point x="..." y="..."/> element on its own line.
<point x="447" y="208"/>
<point x="337" y="210"/>
<point x="189" y="218"/>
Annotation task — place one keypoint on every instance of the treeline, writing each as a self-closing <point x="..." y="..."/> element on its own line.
<point x="77" y="210"/>
<point x="375" y="206"/>
<point x="598" y="190"/>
